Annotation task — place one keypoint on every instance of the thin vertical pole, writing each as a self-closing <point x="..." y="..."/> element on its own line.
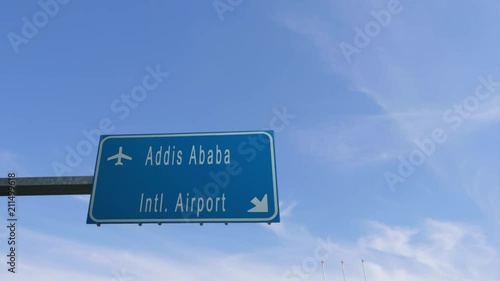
<point x="323" y="267"/>
<point x="363" y="264"/>
<point x="343" y="273"/>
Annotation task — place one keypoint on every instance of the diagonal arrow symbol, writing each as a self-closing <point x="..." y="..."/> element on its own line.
<point x="261" y="206"/>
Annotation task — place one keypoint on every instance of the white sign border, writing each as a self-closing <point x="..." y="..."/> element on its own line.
<point x="187" y="220"/>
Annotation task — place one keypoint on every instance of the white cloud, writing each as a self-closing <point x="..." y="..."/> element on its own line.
<point x="482" y="185"/>
<point x="433" y="251"/>
<point x="286" y="229"/>
<point x="393" y="241"/>
<point x="286" y="209"/>
<point x="443" y="249"/>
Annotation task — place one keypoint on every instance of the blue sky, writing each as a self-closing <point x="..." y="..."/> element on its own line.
<point x="417" y="73"/>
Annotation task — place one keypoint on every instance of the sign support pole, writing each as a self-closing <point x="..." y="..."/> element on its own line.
<point x="48" y="186"/>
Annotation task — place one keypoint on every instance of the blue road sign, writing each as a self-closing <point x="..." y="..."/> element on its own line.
<point x="195" y="177"/>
